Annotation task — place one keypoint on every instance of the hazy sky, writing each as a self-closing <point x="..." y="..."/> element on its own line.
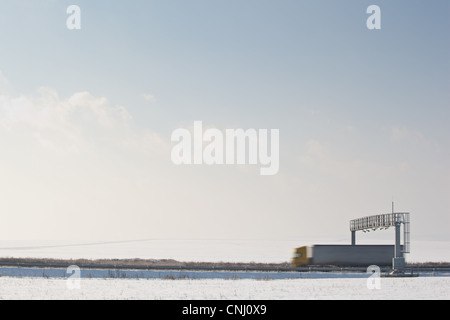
<point x="86" y="117"/>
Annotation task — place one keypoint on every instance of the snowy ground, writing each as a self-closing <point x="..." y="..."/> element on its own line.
<point x="176" y="274"/>
<point x="23" y="283"/>
<point x="84" y="273"/>
<point x="156" y="289"/>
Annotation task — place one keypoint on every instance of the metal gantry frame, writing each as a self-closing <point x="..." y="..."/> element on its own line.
<point x="385" y="221"/>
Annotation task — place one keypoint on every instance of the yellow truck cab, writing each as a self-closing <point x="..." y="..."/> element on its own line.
<point x="300" y="257"/>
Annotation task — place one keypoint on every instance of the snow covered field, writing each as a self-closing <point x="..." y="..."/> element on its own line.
<point x="156" y="289"/>
<point x="175" y="274"/>
<point x="29" y="283"/>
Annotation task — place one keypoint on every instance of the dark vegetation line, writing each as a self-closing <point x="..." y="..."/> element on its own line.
<point x="169" y="262"/>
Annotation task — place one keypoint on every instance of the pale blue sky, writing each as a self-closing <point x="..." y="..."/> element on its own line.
<point x="363" y="115"/>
